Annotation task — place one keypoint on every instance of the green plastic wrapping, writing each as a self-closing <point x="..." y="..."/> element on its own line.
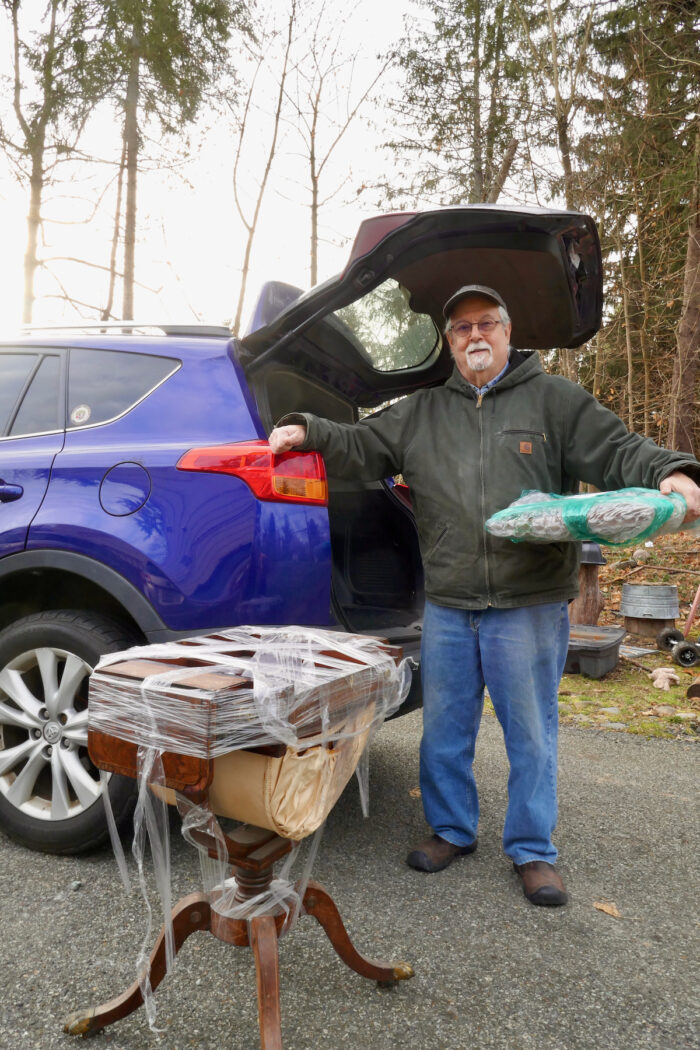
<point x="612" y="518"/>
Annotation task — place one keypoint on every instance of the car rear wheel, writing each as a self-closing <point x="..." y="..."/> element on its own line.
<point x="50" y="792"/>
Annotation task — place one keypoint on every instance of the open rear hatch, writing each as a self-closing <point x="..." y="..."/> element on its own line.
<point x="373" y="333"/>
<point x="545" y="264"/>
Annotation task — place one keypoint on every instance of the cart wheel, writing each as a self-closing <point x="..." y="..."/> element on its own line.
<point x="685" y="654"/>
<point x="669" y="637"/>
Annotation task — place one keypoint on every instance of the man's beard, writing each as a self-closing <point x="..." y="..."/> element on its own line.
<point x="479" y="364"/>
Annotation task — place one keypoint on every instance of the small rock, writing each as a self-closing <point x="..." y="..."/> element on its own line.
<point x="76" y="885"/>
<point x="665" y="709"/>
<point x="582" y="719"/>
<point x="610" y="710"/>
<point x="641" y="555"/>
<point x="616" y="725"/>
<point x="687" y="715"/>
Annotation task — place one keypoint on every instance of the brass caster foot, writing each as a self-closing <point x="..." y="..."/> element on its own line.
<point x="80" y="1023"/>
<point x="402" y="972"/>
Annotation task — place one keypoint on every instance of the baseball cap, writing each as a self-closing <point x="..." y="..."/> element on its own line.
<point x="472" y="289"/>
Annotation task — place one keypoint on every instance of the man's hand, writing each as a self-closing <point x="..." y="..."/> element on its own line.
<point x="685" y="487"/>
<point x="282" y="439"/>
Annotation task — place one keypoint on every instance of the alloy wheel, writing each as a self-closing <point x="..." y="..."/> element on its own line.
<point x="45" y="771"/>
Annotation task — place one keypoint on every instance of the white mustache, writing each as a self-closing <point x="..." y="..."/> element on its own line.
<point x="478" y="346"/>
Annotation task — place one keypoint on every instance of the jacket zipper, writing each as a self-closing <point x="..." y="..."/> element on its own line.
<point x="480" y="398"/>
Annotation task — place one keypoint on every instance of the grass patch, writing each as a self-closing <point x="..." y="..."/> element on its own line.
<point x="625" y="701"/>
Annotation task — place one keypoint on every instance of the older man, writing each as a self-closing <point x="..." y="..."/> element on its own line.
<point x="496" y="612"/>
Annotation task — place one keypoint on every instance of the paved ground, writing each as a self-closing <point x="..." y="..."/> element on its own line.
<point x="491" y="970"/>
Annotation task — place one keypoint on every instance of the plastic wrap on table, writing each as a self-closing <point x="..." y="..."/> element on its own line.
<point x="262" y="725"/>
<point x="246" y="688"/>
<point x="612" y="518"/>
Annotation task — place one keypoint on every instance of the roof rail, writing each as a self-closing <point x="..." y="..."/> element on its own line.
<point x="189" y="328"/>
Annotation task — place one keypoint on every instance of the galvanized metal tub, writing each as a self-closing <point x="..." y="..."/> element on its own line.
<point x="649" y="601"/>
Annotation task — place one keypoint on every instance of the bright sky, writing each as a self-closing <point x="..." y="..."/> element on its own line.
<point x="190" y="241"/>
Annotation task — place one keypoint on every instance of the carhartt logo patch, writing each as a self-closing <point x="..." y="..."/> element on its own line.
<point x="526" y="447"/>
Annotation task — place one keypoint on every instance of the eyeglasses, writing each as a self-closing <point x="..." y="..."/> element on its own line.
<point x="464" y="328"/>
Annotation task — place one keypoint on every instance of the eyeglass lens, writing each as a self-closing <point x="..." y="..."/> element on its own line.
<point x="465" y="328"/>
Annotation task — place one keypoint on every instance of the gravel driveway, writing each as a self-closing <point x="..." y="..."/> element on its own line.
<point x="492" y="971"/>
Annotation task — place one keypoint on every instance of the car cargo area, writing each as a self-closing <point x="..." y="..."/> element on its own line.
<point x="377" y="576"/>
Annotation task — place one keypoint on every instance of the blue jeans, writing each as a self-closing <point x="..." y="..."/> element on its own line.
<point x="519" y="655"/>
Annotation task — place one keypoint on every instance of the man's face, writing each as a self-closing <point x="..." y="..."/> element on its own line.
<point x="478" y="356"/>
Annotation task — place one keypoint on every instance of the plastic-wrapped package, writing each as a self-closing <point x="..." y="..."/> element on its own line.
<point x="612" y="518"/>
<point x="261" y="725"/>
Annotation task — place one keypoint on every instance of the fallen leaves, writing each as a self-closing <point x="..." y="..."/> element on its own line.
<point x="609" y="907"/>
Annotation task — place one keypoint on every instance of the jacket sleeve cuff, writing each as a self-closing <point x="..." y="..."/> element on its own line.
<point x="302" y="419"/>
<point x="690" y="468"/>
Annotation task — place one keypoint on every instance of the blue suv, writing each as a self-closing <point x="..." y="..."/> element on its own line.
<point x="140" y="502"/>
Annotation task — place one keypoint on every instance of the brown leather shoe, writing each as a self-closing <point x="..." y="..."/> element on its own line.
<point x="436" y="853"/>
<point x="542" y="883"/>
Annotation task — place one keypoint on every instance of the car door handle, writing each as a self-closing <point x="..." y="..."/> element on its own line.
<point x="8" y="493"/>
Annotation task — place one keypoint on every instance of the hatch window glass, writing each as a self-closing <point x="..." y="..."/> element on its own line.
<point x="392" y="336"/>
<point x="104" y="384"/>
<point x="15" y="370"/>
<point x="38" y="412"/>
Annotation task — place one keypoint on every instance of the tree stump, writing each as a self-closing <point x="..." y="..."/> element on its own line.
<point x="589" y="604"/>
<point x="693" y="689"/>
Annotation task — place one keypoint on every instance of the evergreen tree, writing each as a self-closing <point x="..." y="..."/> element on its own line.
<point x="465" y="103"/>
<point x="164" y="54"/>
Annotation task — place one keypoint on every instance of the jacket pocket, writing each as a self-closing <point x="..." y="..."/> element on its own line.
<point x="540" y="434"/>
<point x="437" y="543"/>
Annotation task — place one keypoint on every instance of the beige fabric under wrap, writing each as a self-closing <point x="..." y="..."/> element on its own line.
<point x="291" y="794"/>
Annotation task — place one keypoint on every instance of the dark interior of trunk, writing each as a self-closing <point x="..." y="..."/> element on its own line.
<point x="377" y="576"/>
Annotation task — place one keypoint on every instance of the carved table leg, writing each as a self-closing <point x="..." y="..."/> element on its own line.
<point x="263" y="941"/>
<point x="190" y="914"/>
<point x="319" y="903"/>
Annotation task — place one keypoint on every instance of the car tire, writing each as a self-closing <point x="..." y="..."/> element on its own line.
<point x="50" y="791"/>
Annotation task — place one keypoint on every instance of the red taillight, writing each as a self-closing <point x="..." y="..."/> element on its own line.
<point x="299" y="477"/>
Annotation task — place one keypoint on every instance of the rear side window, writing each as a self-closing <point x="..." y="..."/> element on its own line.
<point x="104" y="384"/>
<point x="389" y="333"/>
<point x="38" y="412"/>
<point x="15" y="370"/>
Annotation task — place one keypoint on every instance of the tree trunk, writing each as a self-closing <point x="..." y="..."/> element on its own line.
<point x="314" y="229"/>
<point x="477" y="158"/>
<point x="106" y="313"/>
<point x="628" y="343"/>
<point x="503" y="172"/>
<point x="590" y="602"/>
<point x="131" y="140"/>
<point x="36" y="182"/>
<point x="497" y="36"/>
<point x="682" y="415"/>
